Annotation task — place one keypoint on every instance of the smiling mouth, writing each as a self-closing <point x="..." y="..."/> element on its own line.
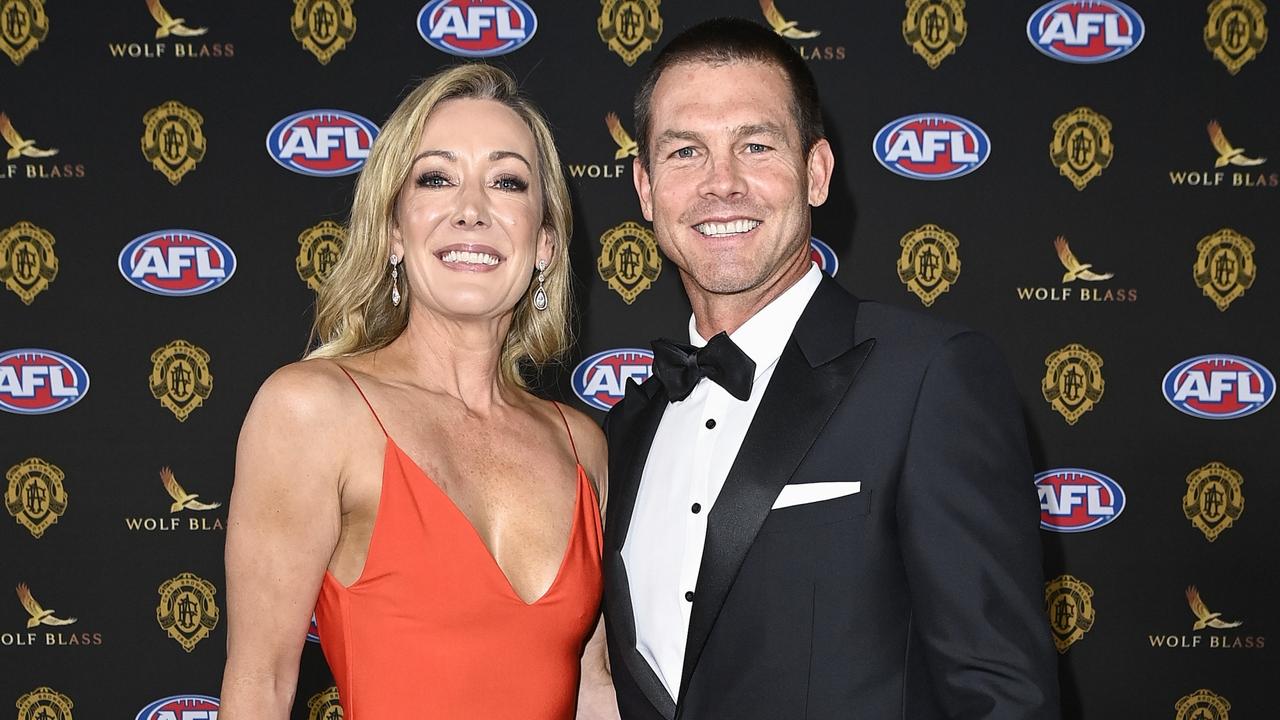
<point x="468" y="257"/>
<point x="726" y="229"/>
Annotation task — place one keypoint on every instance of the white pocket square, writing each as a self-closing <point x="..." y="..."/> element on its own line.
<point x="803" y="493"/>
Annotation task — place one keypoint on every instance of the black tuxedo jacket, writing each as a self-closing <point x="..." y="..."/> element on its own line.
<point x="918" y="598"/>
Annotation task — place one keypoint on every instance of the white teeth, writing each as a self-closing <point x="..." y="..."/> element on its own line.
<point x="734" y="227"/>
<point x="470" y="258"/>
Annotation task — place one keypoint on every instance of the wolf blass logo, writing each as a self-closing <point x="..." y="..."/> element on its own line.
<point x="1085" y="291"/>
<point x="625" y="147"/>
<point x="168" y="26"/>
<point x="182" y="500"/>
<point x="790" y="29"/>
<point x="1209" y="630"/>
<point x="17" y="147"/>
<point x="1228" y="154"/>
<point x="51" y="618"/>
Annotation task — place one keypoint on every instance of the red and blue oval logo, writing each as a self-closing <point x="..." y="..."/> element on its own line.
<point x="601" y="380"/>
<point x="322" y="143"/>
<point x="181" y="707"/>
<point x="931" y="146"/>
<point x="1086" y="31"/>
<point x="823" y="256"/>
<point x="1076" y="500"/>
<point x="313" y="630"/>
<point x="1219" y="387"/>
<point x="477" y="28"/>
<point x="177" y="263"/>
<point x="38" y="382"/>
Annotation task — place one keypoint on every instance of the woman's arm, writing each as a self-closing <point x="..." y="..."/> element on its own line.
<point x="283" y="526"/>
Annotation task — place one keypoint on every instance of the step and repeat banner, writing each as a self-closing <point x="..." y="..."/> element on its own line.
<point x="1087" y="182"/>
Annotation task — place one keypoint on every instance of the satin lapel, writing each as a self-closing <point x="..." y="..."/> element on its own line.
<point x="800" y="399"/>
<point x="630" y="437"/>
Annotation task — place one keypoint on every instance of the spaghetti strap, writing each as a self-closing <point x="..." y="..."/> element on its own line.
<point x="370" y="405"/>
<point x="565" y="420"/>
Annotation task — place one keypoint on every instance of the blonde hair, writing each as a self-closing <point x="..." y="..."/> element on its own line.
<point x="354" y="314"/>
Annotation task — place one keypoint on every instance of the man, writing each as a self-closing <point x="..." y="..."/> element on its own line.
<point x="829" y="512"/>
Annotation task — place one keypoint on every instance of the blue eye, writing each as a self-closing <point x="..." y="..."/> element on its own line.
<point x="432" y="179"/>
<point x="756" y="148"/>
<point x="511" y="182"/>
<point x="684" y="152"/>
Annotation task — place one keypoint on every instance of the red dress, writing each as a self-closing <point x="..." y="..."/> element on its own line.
<point x="433" y="629"/>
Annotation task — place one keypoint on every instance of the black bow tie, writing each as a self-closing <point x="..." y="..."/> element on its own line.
<point x="681" y="366"/>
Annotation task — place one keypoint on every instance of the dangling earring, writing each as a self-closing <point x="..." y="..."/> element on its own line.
<point x="395" y="281"/>
<point x="540" y="295"/>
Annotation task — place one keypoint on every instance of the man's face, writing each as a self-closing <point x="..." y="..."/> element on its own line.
<point x="729" y="186"/>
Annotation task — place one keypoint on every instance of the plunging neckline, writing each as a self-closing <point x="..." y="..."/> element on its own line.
<point x="493" y="561"/>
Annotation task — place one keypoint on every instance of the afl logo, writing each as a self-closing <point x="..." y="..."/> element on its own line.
<point x="932" y="146"/>
<point x="823" y="256"/>
<point x="177" y="262"/>
<point x="477" y="28"/>
<point x="601" y="380"/>
<point x="1086" y="31"/>
<point x="37" y="382"/>
<point x="1075" y="500"/>
<point x="313" y="630"/>
<point x="1219" y="387"/>
<point x="181" y="707"/>
<point x="322" y="143"/>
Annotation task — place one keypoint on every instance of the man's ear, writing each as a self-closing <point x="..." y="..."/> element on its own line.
<point x="644" y="189"/>
<point x="822" y="164"/>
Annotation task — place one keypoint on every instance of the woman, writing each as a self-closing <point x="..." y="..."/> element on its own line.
<point x="446" y="519"/>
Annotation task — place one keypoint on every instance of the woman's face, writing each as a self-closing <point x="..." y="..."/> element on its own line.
<point x="468" y="220"/>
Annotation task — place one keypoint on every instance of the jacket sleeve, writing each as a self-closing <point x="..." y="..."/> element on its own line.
<point x="969" y="529"/>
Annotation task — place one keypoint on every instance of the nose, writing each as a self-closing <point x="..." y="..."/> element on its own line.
<point x="723" y="178"/>
<point x="472" y="210"/>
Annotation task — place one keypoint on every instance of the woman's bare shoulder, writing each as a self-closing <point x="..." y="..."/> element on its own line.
<point x="593" y="453"/>
<point x="311" y="395"/>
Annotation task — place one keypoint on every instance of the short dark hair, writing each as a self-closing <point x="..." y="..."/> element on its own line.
<point x="728" y="40"/>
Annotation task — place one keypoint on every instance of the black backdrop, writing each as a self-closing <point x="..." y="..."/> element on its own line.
<point x="116" y="540"/>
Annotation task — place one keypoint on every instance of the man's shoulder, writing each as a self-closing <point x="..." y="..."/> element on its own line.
<point x="899" y="326"/>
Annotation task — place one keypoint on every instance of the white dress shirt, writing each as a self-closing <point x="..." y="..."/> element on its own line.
<point x="693" y="449"/>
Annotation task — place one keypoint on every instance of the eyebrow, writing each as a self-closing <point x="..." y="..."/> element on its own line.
<point x="747" y="130"/>
<point x="452" y="157"/>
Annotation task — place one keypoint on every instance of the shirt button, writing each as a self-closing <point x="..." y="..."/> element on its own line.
<point x="689" y="596"/>
<point x="711" y="424"/>
<point x="697" y="508"/>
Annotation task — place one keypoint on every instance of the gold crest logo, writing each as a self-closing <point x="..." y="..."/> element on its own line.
<point x="1236" y="32"/>
<point x="169" y="25"/>
<point x="622" y="138"/>
<point x="23" y="25"/>
<point x="324" y="705"/>
<point x="39" y="615"/>
<point x="323" y="26"/>
<point x="928" y="265"/>
<point x="1204" y="616"/>
<point x="180" y="377"/>
<point x="44" y="703"/>
<point x="172" y="139"/>
<point x="629" y="27"/>
<point x="27" y="261"/>
<point x="1214" y="499"/>
<point x="1224" y="267"/>
<point x="1073" y="381"/>
<point x="783" y="26"/>
<point x="1228" y="154"/>
<point x="629" y="260"/>
<point x="187" y="610"/>
<point x="321" y="246"/>
<point x="1081" y="147"/>
<point x="1202" y="705"/>
<point x="1069" y="604"/>
<point x="35" y="496"/>
<point x="934" y="28"/>
<point x="19" y="146"/>
<point x="182" y="500"/>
